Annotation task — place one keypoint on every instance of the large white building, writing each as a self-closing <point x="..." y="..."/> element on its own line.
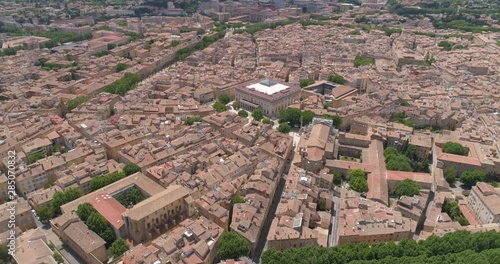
<point x="267" y="94"/>
<point x="484" y="200"/>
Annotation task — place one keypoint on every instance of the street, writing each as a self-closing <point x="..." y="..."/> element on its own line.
<point x="332" y="236"/>
<point x="262" y="242"/>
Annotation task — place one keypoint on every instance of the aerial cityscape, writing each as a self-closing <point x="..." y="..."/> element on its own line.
<point x="249" y="131"/>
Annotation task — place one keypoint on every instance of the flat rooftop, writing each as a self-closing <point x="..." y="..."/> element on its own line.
<point x="268" y="87"/>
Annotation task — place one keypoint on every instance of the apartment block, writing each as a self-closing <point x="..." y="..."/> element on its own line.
<point x="484" y="201"/>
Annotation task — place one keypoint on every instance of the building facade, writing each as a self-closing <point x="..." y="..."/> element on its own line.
<point x="484" y="201"/>
<point x="267" y="94"/>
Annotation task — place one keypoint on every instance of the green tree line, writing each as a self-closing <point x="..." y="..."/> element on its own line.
<point x="438" y="249"/>
<point x="125" y="84"/>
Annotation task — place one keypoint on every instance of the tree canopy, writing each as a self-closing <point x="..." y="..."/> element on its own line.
<point x="237" y="199"/>
<point x="267" y="121"/>
<point x="470" y="178"/>
<point x="131" y="196"/>
<point x="97" y="223"/>
<point x="100" y="181"/>
<point x="398" y="162"/>
<point x="450" y="174"/>
<point x="174" y="43"/>
<point x="237" y="105"/>
<point x="453" y="210"/>
<point x="336" y="79"/>
<point x="74" y="103"/>
<point x="243" y="113"/>
<point x="337" y="177"/>
<point x="131" y="168"/>
<point x="336" y="119"/>
<point x="123" y="85"/>
<point x="289" y="115"/>
<point x="454" y="148"/>
<point x="61" y="198"/>
<point x="305" y="82"/>
<point x="84" y="210"/>
<point x="407" y="187"/>
<point x="307" y="117"/>
<point x="294" y="116"/>
<point x="118" y="248"/>
<point x="284" y="128"/>
<point x="120" y="67"/>
<point x="232" y="246"/>
<point x="190" y="120"/>
<point x="446" y="249"/>
<point x="224" y="98"/>
<point x="219" y="107"/>
<point x="257" y="114"/>
<point x="358" y="180"/>
<point x="360" y="61"/>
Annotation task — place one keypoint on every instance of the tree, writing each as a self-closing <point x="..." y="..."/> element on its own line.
<point x="407" y="187"/>
<point x="307" y="117"/>
<point x="5" y="257"/>
<point x="237" y="199"/>
<point x="118" y="248"/>
<point x="358" y="184"/>
<point x="290" y="115"/>
<point x="200" y="31"/>
<point x="98" y="182"/>
<point x="397" y="162"/>
<point x="131" y="168"/>
<point x="357" y="173"/>
<point x="224" y="98"/>
<point x="450" y="174"/>
<point x="58" y="257"/>
<point x="84" y="210"/>
<point x="411" y="152"/>
<point x="470" y="178"/>
<point x="284" y="128"/>
<point x="74" y="103"/>
<point x="257" y="114"/>
<point x="306" y="82"/>
<point x="267" y="121"/>
<point x="454" y="148"/>
<point x="336" y="79"/>
<point x="190" y="120"/>
<point x="122" y="23"/>
<point x="61" y="198"/>
<point x="174" y="43"/>
<point x="97" y="223"/>
<point x="243" y="113"/>
<point x="33" y="157"/>
<point x="237" y="105"/>
<point x="130" y="197"/>
<point x="45" y="212"/>
<point x="336" y="119"/>
<point x="121" y="66"/>
<point x="453" y="210"/>
<point x="337" y="177"/>
<point x="219" y="107"/>
<point x="123" y="85"/>
<point x="361" y="61"/>
<point x="232" y="246"/>
<point x="390" y="151"/>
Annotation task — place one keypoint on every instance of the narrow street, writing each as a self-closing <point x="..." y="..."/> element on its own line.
<point x="262" y="242"/>
<point x="334" y="225"/>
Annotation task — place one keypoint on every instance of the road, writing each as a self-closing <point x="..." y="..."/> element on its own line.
<point x="334" y="225"/>
<point x="262" y="242"/>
